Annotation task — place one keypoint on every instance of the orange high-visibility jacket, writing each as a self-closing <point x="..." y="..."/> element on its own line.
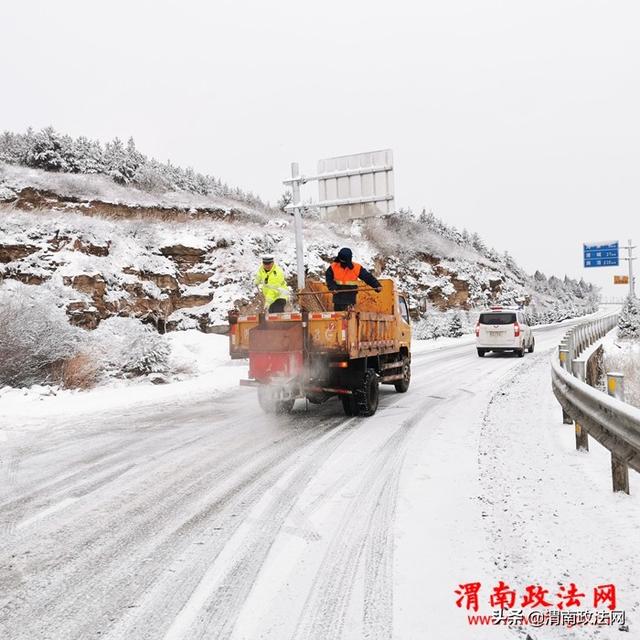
<point x="345" y="275"/>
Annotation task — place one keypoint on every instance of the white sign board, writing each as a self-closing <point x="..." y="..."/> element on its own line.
<point x="356" y="186"/>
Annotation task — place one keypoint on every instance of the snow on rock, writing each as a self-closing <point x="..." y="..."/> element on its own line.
<point x="182" y="270"/>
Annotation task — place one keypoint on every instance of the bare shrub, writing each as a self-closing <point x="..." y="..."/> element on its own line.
<point x="624" y="356"/>
<point x="35" y="336"/>
<point x="124" y="347"/>
<point x="81" y="371"/>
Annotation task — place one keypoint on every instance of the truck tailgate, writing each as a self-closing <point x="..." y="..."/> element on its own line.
<point x="353" y="334"/>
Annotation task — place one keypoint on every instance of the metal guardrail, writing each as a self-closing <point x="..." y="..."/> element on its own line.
<point x="612" y="422"/>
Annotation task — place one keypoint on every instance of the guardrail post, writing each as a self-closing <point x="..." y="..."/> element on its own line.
<point x="564" y="357"/>
<point x="615" y="385"/>
<point x="582" y="437"/>
<point x="619" y="474"/>
<point x="619" y="467"/>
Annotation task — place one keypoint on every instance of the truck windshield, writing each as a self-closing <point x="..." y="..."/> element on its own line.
<point x="497" y="318"/>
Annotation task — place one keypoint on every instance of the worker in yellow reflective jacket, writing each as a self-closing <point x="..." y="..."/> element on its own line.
<point x="272" y="284"/>
<point x="342" y="278"/>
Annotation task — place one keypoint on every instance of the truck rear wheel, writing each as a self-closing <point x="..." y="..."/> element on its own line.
<point x="402" y="386"/>
<point x="364" y="400"/>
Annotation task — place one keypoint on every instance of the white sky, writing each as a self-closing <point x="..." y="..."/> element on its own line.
<point x="520" y="120"/>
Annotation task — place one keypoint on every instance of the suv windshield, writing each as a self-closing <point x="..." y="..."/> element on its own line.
<point x="497" y="318"/>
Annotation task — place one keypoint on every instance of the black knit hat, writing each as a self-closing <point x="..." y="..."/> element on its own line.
<point x="345" y="255"/>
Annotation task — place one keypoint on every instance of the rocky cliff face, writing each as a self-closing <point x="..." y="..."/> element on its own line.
<point x="105" y="268"/>
<point x="180" y="267"/>
<point x="142" y="293"/>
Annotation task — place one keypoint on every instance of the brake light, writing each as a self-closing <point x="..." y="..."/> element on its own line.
<point x="516" y="329"/>
<point x="477" y="330"/>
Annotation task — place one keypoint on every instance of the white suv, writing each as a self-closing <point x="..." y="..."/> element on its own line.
<point x="503" y="329"/>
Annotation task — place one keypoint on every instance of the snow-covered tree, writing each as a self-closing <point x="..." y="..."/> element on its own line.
<point x="478" y="244"/>
<point x="285" y="200"/>
<point x="629" y="320"/>
<point x="454" y="329"/>
<point x="133" y="160"/>
<point x="14" y="148"/>
<point x="47" y="151"/>
<point x="51" y="151"/>
<point x="125" y="346"/>
<point x="115" y="161"/>
<point x="88" y="156"/>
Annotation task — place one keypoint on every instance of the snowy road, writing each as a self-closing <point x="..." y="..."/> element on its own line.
<point x="211" y="520"/>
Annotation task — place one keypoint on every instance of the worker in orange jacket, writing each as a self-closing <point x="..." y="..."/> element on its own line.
<point x="342" y="278"/>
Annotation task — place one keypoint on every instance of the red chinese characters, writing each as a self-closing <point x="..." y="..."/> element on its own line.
<point x="535" y="597"/>
<point x="569" y="597"/>
<point x="469" y="594"/>
<point x="502" y="596"/>
<point x="605" y="593"/>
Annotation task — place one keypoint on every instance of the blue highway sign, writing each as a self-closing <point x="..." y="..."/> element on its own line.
<point x="601" y="255"/>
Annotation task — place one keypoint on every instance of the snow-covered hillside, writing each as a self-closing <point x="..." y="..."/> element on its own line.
<point x="119" y="163"/>
<point x="106" y="249"/>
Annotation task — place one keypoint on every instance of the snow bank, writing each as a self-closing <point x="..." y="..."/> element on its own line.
<point x="624" y="356"/>
<point x="549" y="514"/>
<point x="202" y="368"/>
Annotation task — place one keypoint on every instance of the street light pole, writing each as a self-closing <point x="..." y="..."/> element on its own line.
<point x="630" y="258"/>
<point x="297" y="217"/>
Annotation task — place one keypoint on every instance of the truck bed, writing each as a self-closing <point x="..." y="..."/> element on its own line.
<point x="369" y="329"/>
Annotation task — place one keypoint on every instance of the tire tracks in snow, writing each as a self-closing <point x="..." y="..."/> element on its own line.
<point x="108" y="464"/>
<point x="217" y="605"/>
<point x="133" y="562"/>
<point x="78" y="563"/>
<point x="364" y="537"/>
<point x="91" y="461"/>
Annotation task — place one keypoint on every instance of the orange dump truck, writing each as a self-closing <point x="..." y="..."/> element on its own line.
<point x="318" y="353"/>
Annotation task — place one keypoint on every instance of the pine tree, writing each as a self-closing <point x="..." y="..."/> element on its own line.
<point x="478" y="244"/>
<point x="46" y="151"/>
<point x="455" y="325"/>
<point x="114" y="158"/>
<point x="629" y="320"/>
<point x="13" y="148"/>
<point x="285" y="200"/>
<point x="133" y="160"/>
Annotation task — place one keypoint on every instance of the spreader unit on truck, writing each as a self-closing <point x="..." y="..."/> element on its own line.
<point x="317" y="353"/>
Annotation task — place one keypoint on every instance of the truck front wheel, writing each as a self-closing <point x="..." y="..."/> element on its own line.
<point x="402" y="386"/>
